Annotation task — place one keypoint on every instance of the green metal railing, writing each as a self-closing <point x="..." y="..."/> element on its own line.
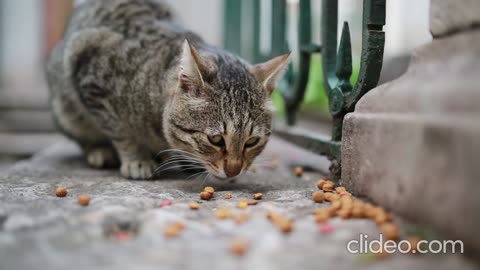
<point x="337" y="67"/>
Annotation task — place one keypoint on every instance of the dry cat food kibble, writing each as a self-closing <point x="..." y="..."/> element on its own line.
<point x="370" y="211"/>
<point x="328" y="186"/>
<point x="241" y="218"/>
<point x="346" y="200"/>
<point x="347" y="206"/>
<point x="344" y="206"/>
<point x="180" y="225"/>
<point x="174" y="229"/>
<point x="83" y="199"/>
<point x="239" y="247"/>
<point x="359" y="204"/>
<point x="194" y="205"/>
<point x="228" y="196"/>
<point x="320" y="183"/>
<point x="298" y="171"/>
<point x="318" y="196"/>
<point x="204" y="195"/>
<point x="223" y="213"/>
<point x="331" y="197"/>
<point x="336" y="205"/>
<point x="252" y="202"/>
<point x="242" y="204"/>
<point x="380" y="216"/>
<point x="272" y="216"/>
<point x="358" y="212"/>
<point x="207" y="193"/>
<point x="210" y="190"/>
<point x="321" y="211"/>
<point x="332" y="211"/>
<point x="285" y="225"/>
<point x="344" y="213"/>
<point x="257" y="196"/>
<point x="322" y="216"/>
<point x="345" y="193"/>
<point x="61" y="192"/>
<point x="390" y="231"/>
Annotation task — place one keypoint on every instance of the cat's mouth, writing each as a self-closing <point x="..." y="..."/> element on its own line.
<point x="218" y="174"/>
<point x="223" y="174"/>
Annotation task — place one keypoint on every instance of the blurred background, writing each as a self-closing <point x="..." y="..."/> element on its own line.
<point x="30" y="28"/>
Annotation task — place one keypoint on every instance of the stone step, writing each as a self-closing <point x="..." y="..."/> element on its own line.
<point x="413" y="144"/>
<point x="26" y="121"/>
<point x="26" y="144"/>
<point x="57" y="233"/>
<point x="422" y="167"/>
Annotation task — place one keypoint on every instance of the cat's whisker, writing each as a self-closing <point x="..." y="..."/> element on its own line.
<point x="180" y="159"/>
<point x="196" y="174"/>
<point x="164" y="166"/>
<point x="168" y="163"/>
<point x="183" y="157"/>
<point x="170" y="150"/>
<point x="206" y="178"/>
<point x="178" y="166"/>
<point x="186" y="168"/>
<point x="186" y="156"/>
<point x="177" y="151"/>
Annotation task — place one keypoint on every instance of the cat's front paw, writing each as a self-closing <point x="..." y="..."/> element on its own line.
<point x="138" y="169"/>
<point x="103" y="157"/>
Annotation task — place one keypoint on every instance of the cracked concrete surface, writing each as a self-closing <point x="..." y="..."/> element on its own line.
<point x="40" y="231"/>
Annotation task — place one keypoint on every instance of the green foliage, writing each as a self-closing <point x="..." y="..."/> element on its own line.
<point x="315" y="96"/>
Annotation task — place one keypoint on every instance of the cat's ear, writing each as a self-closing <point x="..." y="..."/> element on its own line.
<point x="269" y="72"/>
<point x="191" y="65"/>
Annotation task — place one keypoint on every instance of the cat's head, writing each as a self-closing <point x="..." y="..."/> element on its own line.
<point x="220" y="109"/>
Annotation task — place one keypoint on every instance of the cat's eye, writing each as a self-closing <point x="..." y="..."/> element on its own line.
<point x="252" y="141"/>
<point x="217" y="140"/>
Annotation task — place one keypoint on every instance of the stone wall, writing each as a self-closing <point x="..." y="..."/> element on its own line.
<point x="413" y="144"/>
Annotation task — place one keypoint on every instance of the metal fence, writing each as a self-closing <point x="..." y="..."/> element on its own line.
<point x="336" y="61"/>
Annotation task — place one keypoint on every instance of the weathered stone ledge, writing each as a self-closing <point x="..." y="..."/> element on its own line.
<point x="413" y="144"/>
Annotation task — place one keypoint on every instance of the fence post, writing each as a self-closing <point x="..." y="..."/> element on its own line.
<point x="233" y="25"/>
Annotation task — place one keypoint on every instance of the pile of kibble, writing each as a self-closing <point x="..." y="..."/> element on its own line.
<point x="341" y="204"/>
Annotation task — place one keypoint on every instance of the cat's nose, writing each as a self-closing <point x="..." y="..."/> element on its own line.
<point x="232" y="168"/>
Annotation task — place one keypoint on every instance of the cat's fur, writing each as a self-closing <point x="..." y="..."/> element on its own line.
<point x="125" y="84"/>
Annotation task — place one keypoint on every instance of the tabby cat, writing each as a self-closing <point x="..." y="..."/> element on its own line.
<point x="127" y="81"/>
